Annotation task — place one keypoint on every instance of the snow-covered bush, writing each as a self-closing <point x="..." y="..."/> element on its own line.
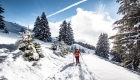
<point x="54" y="45"/>
<point x="31" y="50"/>
<point x="63" y="49"/>
<point x="38" y="49"/>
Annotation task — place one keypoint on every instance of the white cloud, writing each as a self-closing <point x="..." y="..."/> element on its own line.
<point x="88" y="26"/>
<point x="54" y="28"/>
<point x="31" y="26"/>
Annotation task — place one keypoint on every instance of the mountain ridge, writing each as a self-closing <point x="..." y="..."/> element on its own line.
<point x="13" y="27"/>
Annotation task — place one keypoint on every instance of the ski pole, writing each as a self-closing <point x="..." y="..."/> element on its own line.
<point x="73" y="59"/>
<point x="82" y="58"/>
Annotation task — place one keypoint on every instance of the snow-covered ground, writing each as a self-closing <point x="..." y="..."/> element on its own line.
<point x="53" y="67"/>
<point x="10" y="38"/>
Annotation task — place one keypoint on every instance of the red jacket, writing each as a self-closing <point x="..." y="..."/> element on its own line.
<point x="76" y="53"/>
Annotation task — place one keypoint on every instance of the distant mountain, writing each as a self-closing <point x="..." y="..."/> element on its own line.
<point x="13" y="27"/>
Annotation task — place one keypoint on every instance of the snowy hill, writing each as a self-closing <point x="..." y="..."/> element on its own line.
<point x="89" y="51"/>
<point x="53" y="67"/>
<point x="13" y="27"/>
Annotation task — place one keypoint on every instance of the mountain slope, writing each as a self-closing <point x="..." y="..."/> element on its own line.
<point x="53" y="67"/>
<point x="13" y="27"/>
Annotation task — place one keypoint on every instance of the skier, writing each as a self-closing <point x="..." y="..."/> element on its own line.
<point x="76" y="54"/>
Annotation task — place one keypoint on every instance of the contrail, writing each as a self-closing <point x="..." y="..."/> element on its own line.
<point x="68" y="7"/>
<point x="101" y="9"/>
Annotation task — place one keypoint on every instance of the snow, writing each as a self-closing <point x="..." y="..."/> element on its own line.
<point x="137" y="25"/>
<point x="108" y="70"/>
<point x="54" y="67"/>
<point x="8" y="38"/>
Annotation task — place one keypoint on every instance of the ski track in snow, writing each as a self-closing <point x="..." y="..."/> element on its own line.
<point x="68" y="71"/>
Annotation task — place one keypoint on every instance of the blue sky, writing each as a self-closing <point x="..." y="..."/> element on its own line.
<point x="26" y="11"/>
<point x="89" y="18"/>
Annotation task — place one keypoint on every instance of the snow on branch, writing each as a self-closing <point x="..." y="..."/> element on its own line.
<point x="137" y="25"/>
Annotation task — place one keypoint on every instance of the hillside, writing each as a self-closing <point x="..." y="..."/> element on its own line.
<point x="13" y="27"/>
<point x="53" y="67"/>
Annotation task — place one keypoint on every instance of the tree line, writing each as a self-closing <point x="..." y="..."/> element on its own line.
<point x="42" y="30"/>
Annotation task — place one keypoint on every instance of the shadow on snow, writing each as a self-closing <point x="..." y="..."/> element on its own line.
<point x="65" y="67"/>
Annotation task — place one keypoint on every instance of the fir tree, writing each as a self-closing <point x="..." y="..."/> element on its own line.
<point x="45" y="34"/>
<point x="2" y="25"/>
<point x="30" y="50"/>
<point x="41" y="28"/>
<point x="127" y="39"/>
<point x="102" y="48"/>
<point x="37" y="28"/>
<point x="70" y="35"/>
<point x="66" y="33"/>
<point x="62" y="31"/>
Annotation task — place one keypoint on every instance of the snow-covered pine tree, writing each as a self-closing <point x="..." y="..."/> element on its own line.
<point x="137" y="47"/>
<point x="45" y="33"/>
<point x="66" y="33"/>
<point x="63" y="49"/>
<point x="2" y="25"/>
<point x="62" y="31"/>
<point x="102" y="48"/>
<point x="70" y="34"/>
<point x="31" y="51"/>
<point x="37" y="27"/>
<point x="127" y="38"/>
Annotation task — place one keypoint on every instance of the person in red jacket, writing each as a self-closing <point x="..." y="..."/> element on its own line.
<point x="77" y="54"/>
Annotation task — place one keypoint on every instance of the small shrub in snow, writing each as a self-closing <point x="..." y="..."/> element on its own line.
<point x="54" y="45"/>
<point x="6" y="31"/>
